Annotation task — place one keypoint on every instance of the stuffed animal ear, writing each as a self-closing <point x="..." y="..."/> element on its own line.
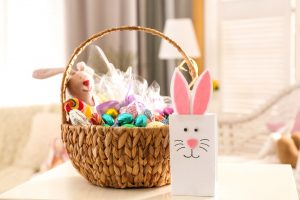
<point x="46" y="73"/>
<point x="201" y="93"/>
<point x="80" y="66"/>
<point x="180" y="93"/>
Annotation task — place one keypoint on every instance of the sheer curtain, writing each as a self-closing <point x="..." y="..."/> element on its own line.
<point x="85" y="18"/>
<point x="44" y="33"/>
<point x="153" y="14"/>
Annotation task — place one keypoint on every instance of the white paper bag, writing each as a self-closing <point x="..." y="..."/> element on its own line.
<point x="193" y="151"/>
<point x="193" y="137"/>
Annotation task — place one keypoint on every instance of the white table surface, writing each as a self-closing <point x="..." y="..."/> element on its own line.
<point x="235" y="181"/>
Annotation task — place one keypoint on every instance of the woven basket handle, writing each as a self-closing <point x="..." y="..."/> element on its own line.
<point x="99" y="35"/>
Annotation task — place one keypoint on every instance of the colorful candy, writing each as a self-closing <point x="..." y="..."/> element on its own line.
<point x="108" y="119"/>
<point x="168" y="111"/>
<point x="165" y="121"/>
<point x="157" y="117"/>
<point x="131" y="108"/>
<point x="132" y="114"/>
<point x="112" y="112"/>
<point x="124" y="118"/>
<point x="73" y="103"/>
<point x="155" y="124"/>
<point x="77" y="104"/>
<point x="103" y="107"/>
<point x="78" y="118"/>
<point x="128" y="125"/>
<point x="140" y="121"/>
<point x="148" y="113"/>
<point x="96" y="119"/>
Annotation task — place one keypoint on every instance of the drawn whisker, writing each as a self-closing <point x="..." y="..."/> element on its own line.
<point x="204" y="140"/>
<point x="203" y="148"/>
<point x="178" y="140"/>
<point x="204" y="144"/>
<point x="180" y="148"/>
<point x="178" y="144"/>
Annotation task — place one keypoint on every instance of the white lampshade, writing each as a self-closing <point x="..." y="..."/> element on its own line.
<point x="183" y="33"/>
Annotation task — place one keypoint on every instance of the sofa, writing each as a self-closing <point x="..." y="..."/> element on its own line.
<point x="25" y="140"/>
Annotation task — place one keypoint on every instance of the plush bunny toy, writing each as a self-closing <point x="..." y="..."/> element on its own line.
<point x="192" y="137"/>
<point x="80" y="85"/>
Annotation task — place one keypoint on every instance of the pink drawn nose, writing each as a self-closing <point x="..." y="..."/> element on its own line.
<point x="86" y="83"/>
<point x="192" y="143"/>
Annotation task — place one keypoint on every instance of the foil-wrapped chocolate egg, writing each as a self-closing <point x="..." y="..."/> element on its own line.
<point x="168" y="111"/>
<point x="165" y="121"/>
<point x="124" y="118"/>
<point x="78" y="118"/>
<point x="108" y="119"/>
<point x="128" y="125"/>
<point x="140" y="121"/>
<point x="148" y="113"/>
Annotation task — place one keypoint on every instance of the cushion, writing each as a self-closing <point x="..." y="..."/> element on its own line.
<point x="45" y="127"/>
<point x="57" y="155"/>
<point x="275" y="126"/>
<point x="269" y="147"/>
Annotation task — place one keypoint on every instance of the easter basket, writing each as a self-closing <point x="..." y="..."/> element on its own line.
<point x="118" y="157"/>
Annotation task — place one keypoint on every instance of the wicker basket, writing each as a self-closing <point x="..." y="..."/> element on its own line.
<point x="115" y="156"/>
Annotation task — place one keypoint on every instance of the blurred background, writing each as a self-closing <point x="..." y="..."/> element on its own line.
<point x="36" y="34"/>
<point x="250" y="47"/>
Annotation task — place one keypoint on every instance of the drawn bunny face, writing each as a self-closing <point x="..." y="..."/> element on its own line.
<point x="193" y="136"/>
<point x="193" y="150"/>
<point x="192" y="141"/>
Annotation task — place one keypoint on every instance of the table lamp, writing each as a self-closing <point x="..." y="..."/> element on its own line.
<point x="182" y="32"/>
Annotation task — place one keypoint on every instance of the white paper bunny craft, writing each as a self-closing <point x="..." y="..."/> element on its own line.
<point x="193" y="143"/>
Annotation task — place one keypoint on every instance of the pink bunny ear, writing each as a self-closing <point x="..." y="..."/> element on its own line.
<point x="180" y="93"/>
<point x="201" y="93"/>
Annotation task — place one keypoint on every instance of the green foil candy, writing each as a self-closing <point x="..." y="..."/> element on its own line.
<point x="108" y="119"/>
<point x="128" y="125"/>
<point x="125" y="118"/>
<point x="140" y="121"/>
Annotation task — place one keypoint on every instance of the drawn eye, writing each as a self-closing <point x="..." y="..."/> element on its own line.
<point x="196" y="130"/>
<point x="185" y="129"/>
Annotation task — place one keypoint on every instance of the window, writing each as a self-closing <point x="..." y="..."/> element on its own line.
<point x="255" y="51"/>
<point x="31" y="36"/>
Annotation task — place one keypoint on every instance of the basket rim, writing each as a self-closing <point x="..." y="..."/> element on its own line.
<point x="101" y="34"/>
<point x="111" y="127"/>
